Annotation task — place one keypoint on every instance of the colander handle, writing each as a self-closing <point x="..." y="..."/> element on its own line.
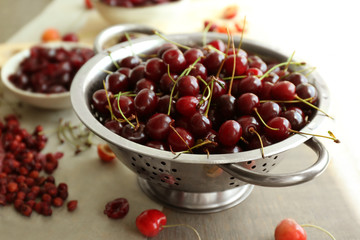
<point x="112" y="31"/>
<point x="283" y="180"/>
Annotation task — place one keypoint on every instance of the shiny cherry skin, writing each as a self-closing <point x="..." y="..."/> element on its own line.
<point x="249" y="124"/>
<point x="100" y="100"/>
<point x="193" y="54"/>
<point x="281" y="129"/>
<point x="175" y="59"/>
<point x="150" y="222"/>
<point x="246" y="103"/>
<point x="135" y="135"/>
<point x="180" y="140"/>
<point x="230" y="133"/>
<point x="283" y="90"/>
<point x="289" y="229"/>
<point x="116" y="82"/>
<point x="187" y="105"/>
<point x="188" y="86"/>
<point x="295" y="118"/>
<point x="213" y="61"/>
<point x="226" y="106"/>
<point x="241" y="65"/>
<point x="130" y="62"/>
<point x="257" y="62"/>
<point x="296" y="78"/>
<point x="145" y="102"/>
<point x="200" y="125"/>
<point x="269" y="110"/>
<point x="127" y="107"/>
<point x="158" y="126"/>
<point x="155" y="68"/>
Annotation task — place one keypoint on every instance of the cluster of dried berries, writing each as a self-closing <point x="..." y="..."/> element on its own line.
<point x="25" y="173"/>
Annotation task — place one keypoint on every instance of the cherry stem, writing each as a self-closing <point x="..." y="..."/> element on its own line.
<point x="288" y="61"/>
<point x="242" y="34"/>
<point x="107" y="71"/>
<point x="184" y="225"/>
<point x="170" y="41"/>
<point x="313" y="106"/>
<point x="115" y="63"/>
<point x="128" y="39"/>
<point x="234" y="66"/>
<point x="121" y="112"/>
<point x="206" y="30"/>
<point x="320" y="228"/>
<point x="262" y="120"/>
<point x="280" y="65"/>
<point x="205" y="142"/>
<point x="332" y="137"/>
<point x="287" y="101"/>
<point x="108" y="100"/>
<point x="252" y="130"/>
<point x="209" y="100"/>
<point x="182" y="139"/>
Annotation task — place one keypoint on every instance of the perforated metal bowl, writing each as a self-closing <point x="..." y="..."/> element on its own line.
<point x="193" y="182"/>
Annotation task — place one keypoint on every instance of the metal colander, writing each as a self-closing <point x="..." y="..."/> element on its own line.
<point x="193" y="182"/>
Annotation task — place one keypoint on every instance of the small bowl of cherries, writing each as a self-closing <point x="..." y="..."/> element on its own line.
<point x="41" y="76"/>
<point x="151" y="12"/>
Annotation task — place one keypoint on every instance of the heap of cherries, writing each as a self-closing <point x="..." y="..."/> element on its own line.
<point x="22" y="182"/>
<point x="204" y="99"/>
<point x="50" y="70"/>
<point x="135" y="3"/>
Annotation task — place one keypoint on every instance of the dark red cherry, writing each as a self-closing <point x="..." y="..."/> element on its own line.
<point x="180" y="140"/>
<point x="144" y="83"/>
<point x="136" y="74"/>
<point x="199" y="70"/>
<point x="100" y="100"/>
<point x="124" y="70"/>
<point x="116" y="82"/>
<point x="134" y="134"/>
<point x="283" y="90"/>
<point x="220" y="87"/>
<point x="127" y="107"/>
<point x="230" y="133"/>
<point x="193" y="54"/>
<point x="249" y="124"/>
<point x="188" y="86"/>
<point x="164" y="47"/>
<point x="158" y="126"/>
<point x="295" y="118"/>
<point x="167" y="82"/>
<point x="257" y="62"/>
<point x="281" y="129"/>
<point x="306" y="91"/>
<point x="114" y="126"/>
<point x="265" y="93"/>
<point x="296" y="78"/>
<point x="255" y="143"/>
<point x="250" y="84"/>
<point x="241" y="65"/>
<point x="226" y="106"/>
<point x="130" y="62"/>
<point x="269" y="110"/>
<point x="163" y="105"/>
<point x="246" y="103"/>
<point x="187" y="105"/>
<point x="212" y="62"/>
<point x="218" y="44"/>
<point x="155" y="68"/>
<point x="200" y="125"/>
<point x="175" y="59"/>
<point x="145" y="102"/>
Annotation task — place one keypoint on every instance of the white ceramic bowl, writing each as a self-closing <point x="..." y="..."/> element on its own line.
<point x="41" y="100"/>
<point x="156" y="15"/>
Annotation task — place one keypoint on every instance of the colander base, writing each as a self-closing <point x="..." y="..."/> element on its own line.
<point x="193" y="202"/>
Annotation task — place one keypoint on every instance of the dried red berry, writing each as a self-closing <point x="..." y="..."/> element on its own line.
<point x="117" y="208"/>
<point x="72" y="205"/>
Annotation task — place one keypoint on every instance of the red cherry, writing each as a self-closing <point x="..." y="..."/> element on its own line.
<point x="150" y="222"/>
<point x="158" y="126"/>
<point x="281" y="129"/>
<point x="289" y="229"/>
<point x="180" y="140"/>
<point x="105" y="153"/>
<point x="230" y="133"/>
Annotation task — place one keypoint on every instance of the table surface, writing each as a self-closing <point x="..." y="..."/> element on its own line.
<point x="329" y="201"/>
